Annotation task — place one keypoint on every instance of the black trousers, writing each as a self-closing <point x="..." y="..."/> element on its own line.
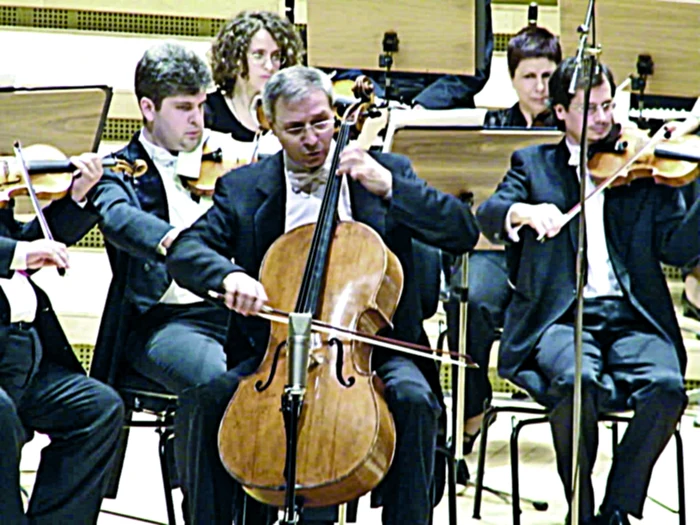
<point x="180" y="346"/>
<point x="626" y="365"/>
<point x="406" y="491"/>
<point x="82" y="417"/>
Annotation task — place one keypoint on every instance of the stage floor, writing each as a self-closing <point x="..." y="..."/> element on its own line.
<point x="141" y="493"/>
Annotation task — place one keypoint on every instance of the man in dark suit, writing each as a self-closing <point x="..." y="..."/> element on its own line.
<point x="151" y="326"/>
<point x="42" y="385"/>
<point x="255" y="205"/>
<point x="633" y="355"/>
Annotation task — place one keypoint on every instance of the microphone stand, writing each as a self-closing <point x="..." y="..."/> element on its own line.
<point x="585" y="61"/>
<point x="298" y="346"/>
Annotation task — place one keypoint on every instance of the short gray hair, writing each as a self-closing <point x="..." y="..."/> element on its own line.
<point x="293" y="84"/>
<point x="169" y="69"/>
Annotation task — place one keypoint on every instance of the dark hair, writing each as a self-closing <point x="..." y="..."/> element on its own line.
<point x="532" y="42"/>
<point x="561" y="79"/>
<point x="170" y="69"/>
<point x="228" y="51"/>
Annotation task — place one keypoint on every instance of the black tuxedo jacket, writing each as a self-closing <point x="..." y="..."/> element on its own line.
<point x="248" y="216"/>
<point x="645" y="224"/>
<point x="134" y="220"/>
<point x="68" y="223"/>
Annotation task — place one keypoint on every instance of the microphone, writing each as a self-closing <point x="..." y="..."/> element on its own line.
<point x="532" y="14"/>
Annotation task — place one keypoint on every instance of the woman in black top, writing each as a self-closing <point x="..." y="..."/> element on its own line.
<point x="533" y="54"/>
<point x="248" y="50"/>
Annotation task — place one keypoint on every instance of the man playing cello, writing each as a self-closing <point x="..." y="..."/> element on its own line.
<point x="255" y="205"/>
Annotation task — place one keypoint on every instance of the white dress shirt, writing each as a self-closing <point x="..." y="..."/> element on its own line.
<point x="601" y="280"/>
<point x="18" y="290"/>
<point x="304" y="205"/>
<point x="182" y="209"/>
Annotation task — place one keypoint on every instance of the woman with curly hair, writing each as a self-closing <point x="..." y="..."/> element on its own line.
<point x="248" y="50"/>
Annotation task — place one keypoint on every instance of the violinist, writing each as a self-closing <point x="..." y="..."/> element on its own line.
<point x="43" y="387"/>
<point x="247" y="51"/>
<point x="533" y="55"/>
<point x="691" y="276"/>
<point x="633" y="354"/>
<point x="257" y="204"/>
<point x="162" y="331"/>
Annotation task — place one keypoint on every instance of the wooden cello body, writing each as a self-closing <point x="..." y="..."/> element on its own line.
<point x="346" y="433"/>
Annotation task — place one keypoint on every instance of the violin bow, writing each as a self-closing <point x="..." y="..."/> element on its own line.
<point x="659" y="136"/>
<point x="33" y="198"/>
<point x="279" y="316"/>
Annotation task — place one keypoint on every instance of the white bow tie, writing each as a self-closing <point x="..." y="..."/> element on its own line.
<point x="163" y="158"/>
<point x="307" y="181"/>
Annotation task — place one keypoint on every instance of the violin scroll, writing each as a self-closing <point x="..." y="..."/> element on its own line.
<point x="135" y="169"/>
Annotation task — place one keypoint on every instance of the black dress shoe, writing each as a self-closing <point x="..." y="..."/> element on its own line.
<point x="613" y="517"/>
<point x="689" y="309"/>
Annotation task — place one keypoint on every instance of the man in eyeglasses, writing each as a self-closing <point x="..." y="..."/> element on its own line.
<point x="633" y="354"/>
<point x="224" y="250"/>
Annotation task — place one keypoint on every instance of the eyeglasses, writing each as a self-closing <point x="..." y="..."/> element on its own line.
<point x="317" y="127"/>
<point x="260" y="57"/>
<point x="593" y="108"/>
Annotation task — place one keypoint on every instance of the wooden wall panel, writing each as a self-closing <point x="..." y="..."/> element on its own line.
<point x="433" y="36"/>
<point x="666" y="29"/>
<point x="196" y="8"/>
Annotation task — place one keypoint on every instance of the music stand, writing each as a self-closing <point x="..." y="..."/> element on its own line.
<point x="69" y="118"/>
<point x="457" y="156"/>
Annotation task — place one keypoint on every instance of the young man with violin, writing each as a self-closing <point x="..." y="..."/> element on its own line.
<point x="151" y="327"/>
<point x="257" y="204"/>
<point x="43" y="387"/>
<point x="633" y="354"/>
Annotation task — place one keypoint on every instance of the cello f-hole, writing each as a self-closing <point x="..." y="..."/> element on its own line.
<point x="259" y="385"/>
<point x="340" y="353"/>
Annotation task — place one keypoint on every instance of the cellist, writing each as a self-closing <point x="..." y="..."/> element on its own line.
<point x="223" y="250"/>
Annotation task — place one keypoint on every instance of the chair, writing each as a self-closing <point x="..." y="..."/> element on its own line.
<point x="541" y="415"/>
<point x="141" y="395"/>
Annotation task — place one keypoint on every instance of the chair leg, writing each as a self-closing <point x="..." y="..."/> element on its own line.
<point x="681" y="476"/>
<point x="489" y="414"/>
<point x="514" y="473"/>
<point x="166" y="434"/>
<point x="115" y="473"/>
<point x="515" y="469"/>
<point x="452" y="489"/>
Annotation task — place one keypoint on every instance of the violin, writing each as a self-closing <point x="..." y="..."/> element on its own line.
<point x="219" y="155"/>
<point x="50" y="171"/>
<point x="18" y="180"/>
<point x="633" y="156"/>
<point x="214" y="165"/>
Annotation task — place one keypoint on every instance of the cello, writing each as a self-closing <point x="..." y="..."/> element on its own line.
<point x="346" y="435"/>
